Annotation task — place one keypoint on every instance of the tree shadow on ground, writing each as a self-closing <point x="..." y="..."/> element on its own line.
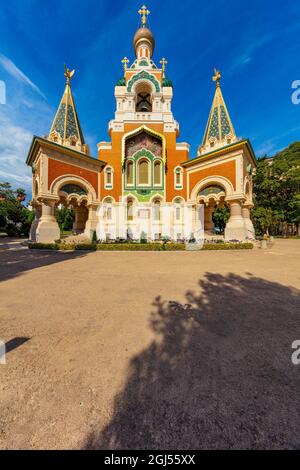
<point x="218" y="375"/>
<point x="15" y="261"/>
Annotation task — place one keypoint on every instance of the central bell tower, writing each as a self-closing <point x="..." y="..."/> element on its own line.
<point x="143" y="122"/>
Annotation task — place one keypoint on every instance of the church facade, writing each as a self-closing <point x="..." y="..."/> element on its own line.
<point x="143" y="162"/>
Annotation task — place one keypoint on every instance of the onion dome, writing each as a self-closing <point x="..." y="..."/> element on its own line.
<point x="144" y="36"/>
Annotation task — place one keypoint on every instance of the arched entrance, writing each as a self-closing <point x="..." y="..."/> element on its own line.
<point x="212" y="197"/>
<point x="66" y="191"/>
<point x="74" y="197"/>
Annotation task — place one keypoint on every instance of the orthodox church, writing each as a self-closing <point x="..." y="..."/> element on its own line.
<point x="143" y="161"/>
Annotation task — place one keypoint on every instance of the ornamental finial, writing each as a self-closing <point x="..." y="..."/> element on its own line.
<point x="144" y="12"/>
<point x="68" y="74"/>
<point x="163" y="63"/>
<point x="217" y="77"/>
<point x="125" y="62"/>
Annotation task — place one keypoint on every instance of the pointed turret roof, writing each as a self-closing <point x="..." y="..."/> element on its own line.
<point x="66" y="123"/>
<point x="219" y="126"/>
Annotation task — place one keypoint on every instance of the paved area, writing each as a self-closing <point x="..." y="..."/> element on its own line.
<point x="150" y="350"/>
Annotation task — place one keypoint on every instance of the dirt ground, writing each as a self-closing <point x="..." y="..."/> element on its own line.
<point x="150" y="350"/>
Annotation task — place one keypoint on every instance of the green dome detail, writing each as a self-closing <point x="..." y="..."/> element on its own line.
<point x="121" y="82"/>
<point x="167" y="82"/>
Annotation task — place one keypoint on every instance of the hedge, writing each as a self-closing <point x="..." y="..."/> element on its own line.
<point x="141" y="247"/>
<point x="136" y="246"/>
<point x="109" y="247"/>
<point x="227" y="246"/>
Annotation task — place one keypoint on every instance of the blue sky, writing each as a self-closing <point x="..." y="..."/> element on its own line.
<point x="254" y="43"/>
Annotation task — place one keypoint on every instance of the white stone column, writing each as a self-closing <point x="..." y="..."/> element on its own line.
<point x="209" y="226"/>
<point x="235" y="227"/>
<point x="48" y="230"/>
<point x="38" y="212"/>
<point x="80" y="219"/>
<point x="250" y="232"/>
<point x="92" y="221"/>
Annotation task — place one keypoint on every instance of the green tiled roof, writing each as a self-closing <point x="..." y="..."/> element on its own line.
<point x="66" y="122"/>
<point x="219" y="124"/>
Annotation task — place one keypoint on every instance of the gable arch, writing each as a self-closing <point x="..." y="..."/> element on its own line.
<point x="138" y="131"/>
<point x="212" y="180"/>
<point x="145" y="76"/>
<point x="61" y="181"/>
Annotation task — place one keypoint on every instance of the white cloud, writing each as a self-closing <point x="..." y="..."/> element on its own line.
<point x="14" y="145"/>
<point x="271" y="146"/>
<point x="16" y="73"/>
<point x="247" y="55"/>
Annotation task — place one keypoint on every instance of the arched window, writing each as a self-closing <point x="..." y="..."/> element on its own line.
<point x="156" y="210"/>
<point x="108" y="208"/>
<point x="143" y="173"/>
<point x="129" y="173"/>
<point x="143" y="98"/>
<point x="108" y="178"/>
<point x="73" y="189"/>
<point x="178" y="212"/>
<point x="178" y="179"/>
<point x="130" y="210"/>
<point x="157" y="173"/>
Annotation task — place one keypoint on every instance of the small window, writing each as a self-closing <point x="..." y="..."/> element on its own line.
<point x="130" y="210"/>
<point x="178" y="178"/>
<point x="108" y="210"/>
<point x="143" y="176"/>
<point x="108" y="178"/>
<point x="129" y="173"/>
<point x="156" y="211"/>
<point x="109" y="213"/>
<point x="157" y="173"/>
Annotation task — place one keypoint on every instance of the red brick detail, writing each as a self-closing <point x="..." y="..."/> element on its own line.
<point x="56" y="169"/>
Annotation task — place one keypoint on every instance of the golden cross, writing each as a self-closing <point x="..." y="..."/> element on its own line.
<point x="144" y="12"/>
<point x="68" y="74"/>
<point x="163" y="64"/>
<point x="217" y="77"/>
<point x="125" y="61"/>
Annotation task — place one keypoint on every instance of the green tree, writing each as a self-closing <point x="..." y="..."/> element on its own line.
<point x="15" y="218"/>
<point x="220" y="217"/>
<point x="65" y="218"/>
<point x="277" y="190"/>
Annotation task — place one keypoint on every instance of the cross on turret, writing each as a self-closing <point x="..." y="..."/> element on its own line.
<point x="144" y="12"/>
<point x="125" y="62"/>
<point x="163" y="63"/>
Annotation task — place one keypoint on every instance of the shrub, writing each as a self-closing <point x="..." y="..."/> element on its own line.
<point x="227" y="246"/>
<point x="85" y="247"/>
<point x="43" y="246"/>
<point x="136" y="246"/>
<point x="141" y="247"/>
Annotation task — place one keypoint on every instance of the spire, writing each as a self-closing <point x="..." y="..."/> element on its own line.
<point x="66" y="128"/>
<point x="219" y="130"/>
